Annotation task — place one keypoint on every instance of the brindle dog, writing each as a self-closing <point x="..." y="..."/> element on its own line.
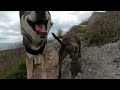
<point x="71" y="44"/>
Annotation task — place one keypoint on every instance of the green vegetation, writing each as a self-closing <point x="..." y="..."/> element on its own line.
<point x="18" y="71"/>
<point x="12" y="64"/>
<point x="104" y="30"/>
<point x="75" y="67"/>
<point x="50" y="41"/>
<point x="84" y="23"/>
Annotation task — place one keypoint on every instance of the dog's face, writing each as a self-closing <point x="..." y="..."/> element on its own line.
<point x="39" y="21"/>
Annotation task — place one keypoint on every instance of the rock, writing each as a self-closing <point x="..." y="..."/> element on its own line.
<point x="101" y="62"/>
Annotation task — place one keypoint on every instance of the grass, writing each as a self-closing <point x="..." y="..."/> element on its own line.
<point x="50" y="41"/>
<point x="75" y="67"/>
<point x="84" y="23"/>
<point x="16" y="72"/>
<point x="13" y="64"/>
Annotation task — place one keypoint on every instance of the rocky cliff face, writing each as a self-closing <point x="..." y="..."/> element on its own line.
<point x="95" y="16"/>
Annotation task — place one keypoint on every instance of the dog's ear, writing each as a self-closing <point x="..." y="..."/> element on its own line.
<point x="21" y="13"/>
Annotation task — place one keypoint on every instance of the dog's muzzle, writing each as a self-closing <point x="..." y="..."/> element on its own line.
<point x="40" y="27"/>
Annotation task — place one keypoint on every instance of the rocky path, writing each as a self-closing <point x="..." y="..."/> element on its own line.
<point x="101" y="62"/>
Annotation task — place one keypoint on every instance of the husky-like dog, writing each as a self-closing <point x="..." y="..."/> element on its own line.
<point x="35" y="26"/>
<point x="71" y="44"/>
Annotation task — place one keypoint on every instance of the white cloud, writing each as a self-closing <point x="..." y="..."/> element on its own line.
<point x="66" y="19"/>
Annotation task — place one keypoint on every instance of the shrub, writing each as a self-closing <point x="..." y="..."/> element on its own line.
<point x="75" y="67"/>
<point x="16" y="72"/>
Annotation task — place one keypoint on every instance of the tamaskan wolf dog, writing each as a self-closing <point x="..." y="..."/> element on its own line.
<point x="71" y="44"/>
<point x="35" y="26"/>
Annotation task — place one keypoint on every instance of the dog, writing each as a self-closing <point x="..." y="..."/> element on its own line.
<point x="71" y="44"/>
<point x="35" y="26"/>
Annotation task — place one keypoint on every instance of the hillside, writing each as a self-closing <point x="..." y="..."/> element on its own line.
<point x="95" y="16"/>
<point x="104" y="30"/>
<point x="12" y="64"/>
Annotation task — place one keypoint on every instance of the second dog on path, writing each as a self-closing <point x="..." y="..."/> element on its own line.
<point x="70" y="44"/>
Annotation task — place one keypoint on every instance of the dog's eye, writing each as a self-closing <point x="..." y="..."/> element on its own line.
<point x="30" y="22"/>
<point x="45" y="21"/>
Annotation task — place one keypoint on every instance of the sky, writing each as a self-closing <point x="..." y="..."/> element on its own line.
<point x="10" y="23"/>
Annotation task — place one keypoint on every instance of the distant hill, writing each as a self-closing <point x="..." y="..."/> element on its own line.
<point x="7" y="46"/>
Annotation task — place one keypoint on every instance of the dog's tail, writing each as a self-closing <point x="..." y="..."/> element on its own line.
<point x="57" y="39"/>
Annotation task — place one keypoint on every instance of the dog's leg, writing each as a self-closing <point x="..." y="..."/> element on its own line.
<point x="79" y="52"/>
<point x="44" y="73"/>
<point x="79" y="46"/>
<point x="29" y="65"/>
<point x="60" y="67"/>
<point x="35" y="60"/>
<point x="44" y="60"/>
<point x="39" y="59"/>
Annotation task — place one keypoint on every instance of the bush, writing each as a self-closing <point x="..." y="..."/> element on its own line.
<point x="16" y="72"/>
<point x="78" y="29"/>
<point x="75" y="67"/>
<point x="59" y="33"/>
<point x="84" y="23"/>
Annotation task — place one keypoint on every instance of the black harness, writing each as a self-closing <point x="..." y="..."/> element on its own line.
<point x="34" y="52"/>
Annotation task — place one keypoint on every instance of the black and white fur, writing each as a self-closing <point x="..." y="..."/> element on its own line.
<point x="35" y="45"/>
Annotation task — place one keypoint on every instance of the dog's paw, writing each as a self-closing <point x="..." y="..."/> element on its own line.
<point x="44" y="76"/>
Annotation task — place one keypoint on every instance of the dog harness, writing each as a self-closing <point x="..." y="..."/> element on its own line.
<point x="34" y="52"/>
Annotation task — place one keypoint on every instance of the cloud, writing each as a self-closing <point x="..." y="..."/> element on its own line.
<point x="9" y="27"/>
<point x="10" y="23"/>
<point x="66" y="19"/>
<point x="3" y="38"/>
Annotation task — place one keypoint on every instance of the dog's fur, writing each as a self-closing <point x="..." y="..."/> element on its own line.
<point x="70" y="44"/>
<point x="34" y="44"/>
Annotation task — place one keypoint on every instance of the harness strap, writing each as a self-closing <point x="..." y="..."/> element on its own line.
<point x="34" y="52"/>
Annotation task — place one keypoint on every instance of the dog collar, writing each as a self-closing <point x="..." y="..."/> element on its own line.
<point x="35" y="52"/>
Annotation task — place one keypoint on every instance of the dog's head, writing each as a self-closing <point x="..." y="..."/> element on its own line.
<point x="39" y="21"/>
